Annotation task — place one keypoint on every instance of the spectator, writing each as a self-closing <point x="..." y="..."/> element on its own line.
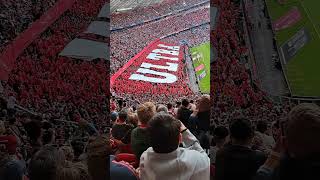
<point x="184" y="112"/>
<point x="68" y="153"/>
<point x="12" y="169"/>
<point x="165" y="159"/>
<point x="200" y="121"/>
<point x="238" y="160"/>
<point x="45" y="163"/>
<point x="139" y="135"/>
<point x="98" y="158"/>
<point x="296" y="156"/>
<point x="162" y="108"/>
<point x="133" y="119"/>
<point x="267" y="140"/>
<point x="73" y="171"/>
<point x="220" y="135"/>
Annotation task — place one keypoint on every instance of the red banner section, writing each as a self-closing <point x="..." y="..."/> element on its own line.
<point x="14" y="49"/>
<point x="158" y="69"/>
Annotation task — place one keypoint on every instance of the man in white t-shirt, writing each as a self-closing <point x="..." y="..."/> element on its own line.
<point x="165" y="159"/>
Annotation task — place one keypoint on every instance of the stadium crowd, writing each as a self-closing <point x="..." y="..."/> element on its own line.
<point x="68" y="137"/>
<point x="139" y="37"/>
<point x="17" y="16"/>
<point x="51" y="102"/>
<point x="152" y="12"/>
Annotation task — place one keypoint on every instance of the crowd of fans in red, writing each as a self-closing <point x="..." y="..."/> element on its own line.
<point x="138" y="37"/>
<point x="231" y="87"/>
<point x="148" y="141"/>
<point x="15" y="17"/>
<point x="43" y="81"/>
<point x="147" y="13"/>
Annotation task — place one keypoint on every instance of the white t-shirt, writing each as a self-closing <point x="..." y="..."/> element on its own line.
<point x="191" y="163"/>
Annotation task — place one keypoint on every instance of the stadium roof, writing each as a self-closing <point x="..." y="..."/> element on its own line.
<point x="128" y="4"/>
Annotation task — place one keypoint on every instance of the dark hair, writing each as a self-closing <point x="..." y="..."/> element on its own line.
<point x="33" y="129"/>
<point x="123" y="115"/>
<point x="178" y="103"/>
<point x="191" y="101"/>
<point x="241" y="129"/>
<point x="262" y="126"/>
<point x="47" y="136"/>
<point x="44" y="163"/>
<point x="185" y="102"/>
<point x="164" y="131"/>
<point x="12" y="120"/>
<point x="221" y="132"/>
<point x="169" y="106"/>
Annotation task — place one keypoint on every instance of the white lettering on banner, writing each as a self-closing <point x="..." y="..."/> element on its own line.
<point x="169" y="78"/>
<point x="163" y="51"/>
<point x="155" y="56"/>
<point x="175" y="48"/>
<point x="171" y="67"/>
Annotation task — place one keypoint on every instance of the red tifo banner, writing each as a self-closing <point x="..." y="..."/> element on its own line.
<point x="157" y="69"/>
<point x="17" y="46"/>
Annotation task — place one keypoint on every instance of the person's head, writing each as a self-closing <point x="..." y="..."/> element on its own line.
<point x="203" y="103"/>
<point x="241" y="131"/>
<point x="12" y="170"/>
<point x="162" y="108"/>
<point x="48" y="136"/>
<point x="99" y="150"/>
<point x="185" y="102"/>
<point x="78" y="147"/>
<point x="114" y="116"/>
<point x="164" y="133"/>
<point x="133" y="119"/>
<point x="303" y="131"/>
<point x="262" y="126"/>
<point x="169" y="106"/>
<point x="45" y="162"/>
<point x="275" y="128"/>
<point x="73" y="171"/>
<point x="178" y="104"/>
<point x="68" y="152"/>
<point x="33" y="129"/>
<point x="123" y="114"/>
<point x="146" y="111"/>
<point x="220" y="134"/>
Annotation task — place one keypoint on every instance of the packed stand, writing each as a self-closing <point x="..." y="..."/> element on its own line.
<point x="126" y="44"/>
<point x="152" y="12"/>
<point x="17" y="16"/>
<point x="155" y="139"/>
<point x="55" y="86"/>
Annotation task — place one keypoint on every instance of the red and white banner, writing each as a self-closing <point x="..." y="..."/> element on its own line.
<point x="158" y="69"/>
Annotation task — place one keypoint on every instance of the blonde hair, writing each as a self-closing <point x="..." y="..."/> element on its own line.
<point x="146" y="111"/>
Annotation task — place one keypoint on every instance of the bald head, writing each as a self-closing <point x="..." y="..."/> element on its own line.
<point x="303" y="130"/>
